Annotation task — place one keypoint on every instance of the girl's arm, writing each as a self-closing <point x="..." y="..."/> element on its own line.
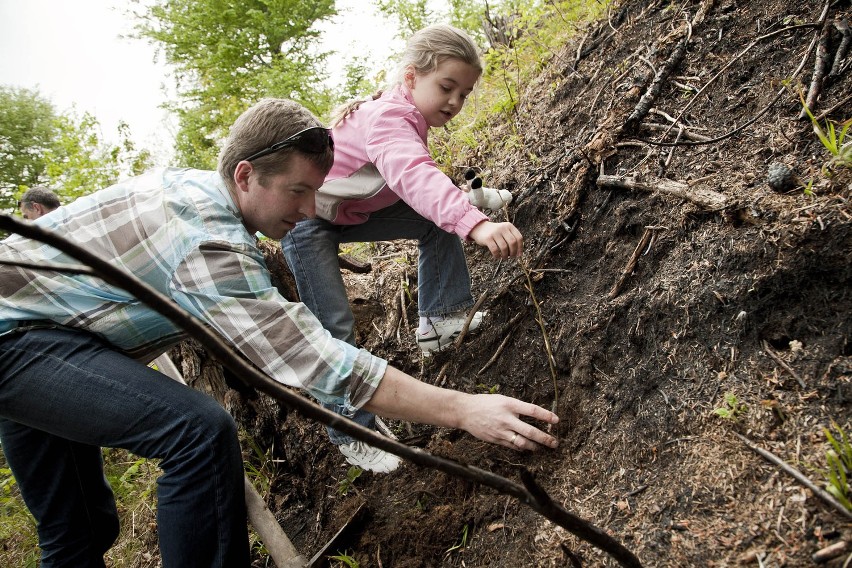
<point x="491" y="417"/>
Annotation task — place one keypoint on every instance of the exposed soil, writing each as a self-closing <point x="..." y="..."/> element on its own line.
<point x="752" y="298"/>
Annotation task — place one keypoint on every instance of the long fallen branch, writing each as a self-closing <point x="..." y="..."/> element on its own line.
<point x="530" y="494"/>
<point x="706" y="198"/>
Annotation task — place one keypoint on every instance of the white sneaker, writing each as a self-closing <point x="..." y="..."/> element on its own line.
<point x="369" y="458"/>
<point x="445" y="331"/>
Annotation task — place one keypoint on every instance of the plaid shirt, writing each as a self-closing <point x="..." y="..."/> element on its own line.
<point x="179" y="231"/>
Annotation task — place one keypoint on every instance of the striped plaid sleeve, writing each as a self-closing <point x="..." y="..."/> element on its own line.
<point x="231" y="290"/>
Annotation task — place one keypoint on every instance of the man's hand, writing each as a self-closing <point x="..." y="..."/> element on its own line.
<point x="496" y="418"/>
<point x="504" y="240"/>
<point x="491" y="417"/>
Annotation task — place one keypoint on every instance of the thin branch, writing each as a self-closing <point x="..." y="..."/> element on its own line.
<point x="253" y="377"/>
<point x="769" y="456"/>
<point x="706" y="198"/>
<point x="783" y="364"/>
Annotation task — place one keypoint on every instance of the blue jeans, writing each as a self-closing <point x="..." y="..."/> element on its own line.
<point x="63" y="395"/>
<point x="443" y="281"/>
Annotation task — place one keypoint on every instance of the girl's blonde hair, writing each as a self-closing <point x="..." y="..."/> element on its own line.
<point x="425" y="50"/>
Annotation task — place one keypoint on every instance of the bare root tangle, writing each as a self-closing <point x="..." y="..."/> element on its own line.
<point x="731" y="62"/>
<point x="763" y="111"/>
<point x="531" y="495"/>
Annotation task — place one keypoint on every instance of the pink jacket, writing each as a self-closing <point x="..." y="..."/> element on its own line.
<point x="381" y="156"/>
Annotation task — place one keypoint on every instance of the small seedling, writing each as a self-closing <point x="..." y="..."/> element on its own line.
<point x="346" y="485"/>
<point x="463" y="541"/>
<point x="733" y="408"/>
<point x="833" y="141"/>
<point x="839" y="459"/>
<point x="345" y="560"/>
<point x="490" y="390"/>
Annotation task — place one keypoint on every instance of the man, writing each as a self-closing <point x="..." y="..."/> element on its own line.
<point x="72" y="348"/>
<point x="37" y="201"/>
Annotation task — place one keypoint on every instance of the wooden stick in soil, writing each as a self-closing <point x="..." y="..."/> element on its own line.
<point x="229" y="358"/>
<point x="631" y="264"/>
<point x="843" y="27"/>
<point x="706" y="198"/>
<point x="822" y="494"/>
<point x="829" y="552"/>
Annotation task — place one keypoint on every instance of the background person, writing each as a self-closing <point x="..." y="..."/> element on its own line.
<point x="72" y="347"/>
<point x="37" y="201"/>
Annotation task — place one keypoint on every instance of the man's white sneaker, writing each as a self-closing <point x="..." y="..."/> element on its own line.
<point x="445" y="331"/>
<point x="369" y="458"/>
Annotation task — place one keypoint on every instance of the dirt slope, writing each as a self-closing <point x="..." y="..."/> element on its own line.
<point x="750" y="298"/>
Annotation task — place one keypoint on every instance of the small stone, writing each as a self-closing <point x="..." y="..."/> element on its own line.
<point x="780" y="177"/>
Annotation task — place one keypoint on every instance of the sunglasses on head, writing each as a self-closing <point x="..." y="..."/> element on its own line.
<point x="313" y="140"/>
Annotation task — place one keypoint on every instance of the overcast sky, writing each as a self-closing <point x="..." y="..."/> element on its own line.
<point x="73" y="53"/>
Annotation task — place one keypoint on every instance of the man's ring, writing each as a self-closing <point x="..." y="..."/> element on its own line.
<point x="514" y="437"/>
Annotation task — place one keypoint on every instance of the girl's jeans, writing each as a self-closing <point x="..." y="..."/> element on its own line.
<point x="66" y="393"/>
<point x="443" y="281"/>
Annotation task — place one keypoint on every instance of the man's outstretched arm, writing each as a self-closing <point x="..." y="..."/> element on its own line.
<point x="491" y="417"/>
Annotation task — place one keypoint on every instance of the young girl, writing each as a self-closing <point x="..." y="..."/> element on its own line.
<point x="384" y="185"/>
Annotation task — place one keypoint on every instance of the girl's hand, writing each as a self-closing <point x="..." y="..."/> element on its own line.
<point x="504" y="240"/>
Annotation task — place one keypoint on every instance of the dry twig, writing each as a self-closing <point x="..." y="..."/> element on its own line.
<point x="647" y="101"/>
<point x="631" y="264"/>
<point x="820" y="70"/>
<point x="799" y="476"/>
<point x="783" y="364"/>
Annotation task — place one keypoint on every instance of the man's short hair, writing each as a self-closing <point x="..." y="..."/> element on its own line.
<point x="262" y="125"/>
<point x="41" y="195"/>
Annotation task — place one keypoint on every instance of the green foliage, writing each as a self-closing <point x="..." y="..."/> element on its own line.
<point x="229" y="54"/>
<point x="17" y="525"/>
<point x="348" y="483"/>
<point x="412" y="15"/>
<point x="839" y="460"/>
<point x="840" y="150"/>
<point x="462" y="541"/>
<point x="27" y="127"/>
<point x="259" y="465"/>
<point x="64" y="151"/>
<point x="733" y="409"/>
